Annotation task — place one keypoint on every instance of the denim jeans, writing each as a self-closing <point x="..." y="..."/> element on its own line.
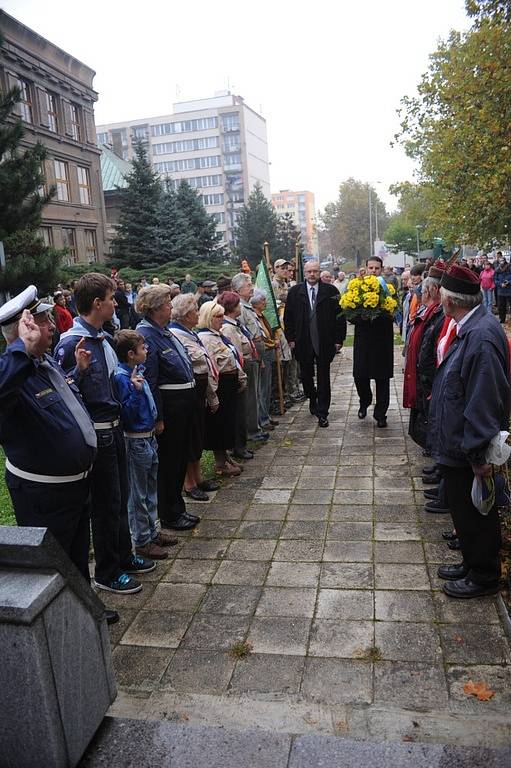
<point x="142" y="455"/>
<point x="488" y="299"/>
<point x="265" y="381"/>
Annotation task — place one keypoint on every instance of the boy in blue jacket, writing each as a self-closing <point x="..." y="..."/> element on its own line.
<point x="138" y="414"/>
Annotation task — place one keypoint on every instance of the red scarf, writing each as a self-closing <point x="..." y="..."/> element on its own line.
<point x="412" y="354"/>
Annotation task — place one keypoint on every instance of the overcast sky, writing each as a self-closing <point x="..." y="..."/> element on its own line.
<point x="327" y="76"/>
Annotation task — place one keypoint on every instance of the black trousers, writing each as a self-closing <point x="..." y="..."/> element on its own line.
<point x="109" y="494"/>
<point x="479" y="535"/>
<point x="502" y="304"/>
<point x="319" y="393"/>
<point x="382" y="395"/>
<point x="173" y="449"/>
<point x="62" y="508"/>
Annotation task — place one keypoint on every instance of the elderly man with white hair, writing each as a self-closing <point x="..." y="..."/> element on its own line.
<point x="341" y="282"/>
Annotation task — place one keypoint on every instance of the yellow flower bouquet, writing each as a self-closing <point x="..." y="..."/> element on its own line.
<point x="368" y="297"/>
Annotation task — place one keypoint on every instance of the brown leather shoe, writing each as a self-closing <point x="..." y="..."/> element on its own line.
<point x="165" y="540"/>
<point x="153" y="551"/>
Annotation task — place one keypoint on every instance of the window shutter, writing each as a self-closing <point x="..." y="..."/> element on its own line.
<point x="13" y="82"/>
<point x="43" y="108"/>
<point x="66" y="111"/>
<point x="90" y="128"/>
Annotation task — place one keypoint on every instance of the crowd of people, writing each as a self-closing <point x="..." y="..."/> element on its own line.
<point x="142" y="382"/>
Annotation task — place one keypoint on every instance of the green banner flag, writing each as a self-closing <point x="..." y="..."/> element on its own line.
<point x="263" y="281"/>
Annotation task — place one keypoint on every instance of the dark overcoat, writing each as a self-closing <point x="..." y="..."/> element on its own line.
<point x="330" y="320"/>
<point x="373" y="348"/>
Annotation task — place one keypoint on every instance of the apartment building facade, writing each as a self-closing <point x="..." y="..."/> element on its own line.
<point x="301" y="206"/>
<point x="219" y="145"/>
<point x="57" y="109"/>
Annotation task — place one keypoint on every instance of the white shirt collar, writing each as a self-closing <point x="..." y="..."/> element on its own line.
<point x="464" y="319"/>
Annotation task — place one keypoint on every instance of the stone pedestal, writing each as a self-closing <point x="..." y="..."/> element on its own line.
<point x="57" y="678"/>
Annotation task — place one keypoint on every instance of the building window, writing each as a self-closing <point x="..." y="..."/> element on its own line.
<point x="102" y="138"/>
<point x="188" y="164"/>
<point x="232" y="143"/>
<point x="91" y="250"/>
<point x="84" y="185"/>
<point x="76" y="128"/>
<point x="25" y="102"/>
<point x="231" y="122"/>
<point x="51" y="107"/>
<point x="46" y="236"/>
<point x="185" y="126"/>
<point x="69" y="242"/>
<point x="186" y="145"/>
<point x="140" y="133"/>
<point x="219" y="217"/>
<point x="213" y="199"/>
<point x="234" y="159"/>
<point x="62" y="180"/>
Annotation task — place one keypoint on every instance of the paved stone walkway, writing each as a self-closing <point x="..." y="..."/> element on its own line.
<point x="320" y="557"/>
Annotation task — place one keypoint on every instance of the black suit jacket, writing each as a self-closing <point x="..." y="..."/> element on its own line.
<point x="331" y="322"/>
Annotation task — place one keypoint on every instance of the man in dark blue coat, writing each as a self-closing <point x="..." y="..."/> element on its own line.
<point x="469" y="407"/>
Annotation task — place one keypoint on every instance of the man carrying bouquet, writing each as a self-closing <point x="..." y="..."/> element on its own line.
<point x="368" y="303"/>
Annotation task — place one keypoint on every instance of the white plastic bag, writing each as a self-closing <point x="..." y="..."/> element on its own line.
<point x="498" y="450"/>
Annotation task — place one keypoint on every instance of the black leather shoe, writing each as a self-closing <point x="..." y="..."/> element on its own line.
<point x="431" y="479"/>
<point x="243" y="455"/>
<point x="209" y="485"/>
<point x="313" y="409"/>
<point x="197" y="494"/>
<point x="323" y="421"/>
<point x="362" y="413"/>
<point x="432" y="470"/>
<point x="274" y="423"/>
<point x="381" y="422"/>
<point x="431" y="494"/>
<point x="183" y="523"/>
<point x="194" y="518"/>
<point x="112" y="617"/>
<point x="436" y="507"/>
<point x="454" y="543"/>
<point x="465" y="588"/>
<point x="449" y="535"/>
<point x="263" y="437"/>
<point x="452" y="572"/>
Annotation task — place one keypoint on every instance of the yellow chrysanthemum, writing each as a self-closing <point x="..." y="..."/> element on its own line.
<point x="391" y="288"/>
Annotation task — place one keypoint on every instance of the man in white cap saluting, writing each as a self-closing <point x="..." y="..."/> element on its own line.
<point x="48" y="437"/>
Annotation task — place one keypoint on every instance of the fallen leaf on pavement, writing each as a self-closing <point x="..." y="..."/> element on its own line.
<point x="480" y="690"/>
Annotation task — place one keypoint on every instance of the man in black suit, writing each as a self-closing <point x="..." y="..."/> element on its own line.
<point x="315" y="329"/>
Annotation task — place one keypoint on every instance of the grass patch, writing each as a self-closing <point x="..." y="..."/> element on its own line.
<point x="241" y="650"/>
<point x="6" y="513"/>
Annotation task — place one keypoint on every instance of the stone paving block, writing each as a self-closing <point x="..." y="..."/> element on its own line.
<point x="296" y="550"/>
<point x="251" y="549"/>
<point x="396" y="576"/>
<point x="395" y="605"/>
<point x="393" y="497"/>
<point x="407" y="641"/>
<point x="285" y="574"/>
<point x="387" y="483"/>
<point x="313" y="470"/>
<point x="390" y="461"/>
<point x="356" y="470"/>
<point x="218" y="528"/>
<point x="396" y="532"/>
<point x="266" y="512"/>
<point x="474" y="644"/>
<point x="347" y="576"/>
<point x="116" y="631"/>
<point x="138" y="667"/>
<point x="312" y="497"/>
<point x="352" y="513"/>
<point x="345" y="604"/>
<point x="309" y="530"/>
<point x="191" y="571"/>
<point x="136" y="601"/>
<point x="348" y="551"/>
<point x="160" y="629"/>
<point x="348" y="483"/>
<point x="259" y="529"/>
<point x="395" y="514"/>
<point x="350" y="531"/>
<point x="353" y="497"/>
<point x="213" y="631"/>
<point x="242" y="573"/>
<point x="480" y="611"/>
<point x="176" y="597"/>
<point x="341" y="639"/>
<point x="203" y="549"/>
<point x="287" y="601"/>
<point x="275" y="481"/>
<point x="267" y="673"/>
<point x="496" y="677"/>
<point x="316" y="483"/>
<point x="274" y="496"/>
<point x="308" y="512"/>
<point x="198" y="671"/>
<point x="230" y="599"/>
<point x="223" y="511"/>
<point x="412" y="685"/>
<point x="337" y="681"/>
<point x="439" y="552"/>
<point x="398" y="552"/>
<point x="279" y="635"/>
